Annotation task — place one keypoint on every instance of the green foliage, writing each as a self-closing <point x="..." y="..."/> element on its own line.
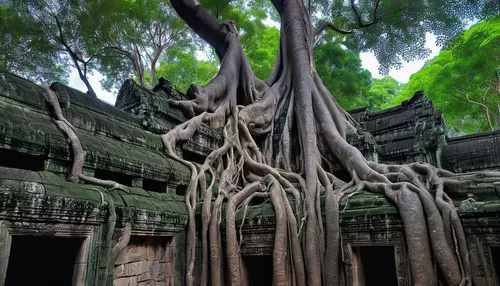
<point x="262" y="50"/>
<point x="383" y="91"/>
<point x="395" y="30"/>
<point x="133" y="36"/>
<point x="468" y="67"/>
<point x="123" y="38"/>
<point x="259" y="41"/>
<point x="343" y="75"/>
<point x="181" y="67"/>
<point x="26" y="51"/>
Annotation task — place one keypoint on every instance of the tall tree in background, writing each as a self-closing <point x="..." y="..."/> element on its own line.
<point x="119" y="38"/>
<point x="463" y="79"/>
<point x="134" y="35"/>
<point x="61" y="25"/>
<point x="25" y="50"/>
<point x="286" y="136"/>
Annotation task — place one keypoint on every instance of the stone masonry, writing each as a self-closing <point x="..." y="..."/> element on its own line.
<point x="146" y="261"/>
<point x="123" y="143"/>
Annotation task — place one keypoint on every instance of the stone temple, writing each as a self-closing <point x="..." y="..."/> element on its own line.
<point x="54" y="232"/>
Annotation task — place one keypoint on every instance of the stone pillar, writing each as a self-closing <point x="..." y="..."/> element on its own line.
<point x="5" y="242"/>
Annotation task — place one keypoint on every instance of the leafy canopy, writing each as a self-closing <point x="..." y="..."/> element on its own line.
<point x="395" y="30"/>
<point x="470" y="66"/>
<point x="25" y="49"/>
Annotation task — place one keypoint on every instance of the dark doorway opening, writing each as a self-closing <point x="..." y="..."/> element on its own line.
<point x="495" y="257"/>
<point x="181" y="190"/>
<point x="113" y="176"/>
<point x="42" y="260"/>
<point x="377" y="265"/>
<point x="259" y="269"/>
<point x="18" y="160"/>
<point x="154" y="186"/>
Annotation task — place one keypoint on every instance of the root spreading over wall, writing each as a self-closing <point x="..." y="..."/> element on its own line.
<point x="301" y="158"/>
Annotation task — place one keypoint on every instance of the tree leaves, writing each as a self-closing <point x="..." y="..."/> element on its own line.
<point x="464" y="73"/>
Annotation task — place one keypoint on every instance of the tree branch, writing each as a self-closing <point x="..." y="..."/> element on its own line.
<point x="359" y="21"/>
<point x="486" y="109"/>
<point x="329" y="25"/>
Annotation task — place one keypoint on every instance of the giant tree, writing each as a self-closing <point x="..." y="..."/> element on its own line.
<point x="286" y="135"/>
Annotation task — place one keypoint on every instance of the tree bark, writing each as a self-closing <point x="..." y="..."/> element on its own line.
<point x="287" y="131"/>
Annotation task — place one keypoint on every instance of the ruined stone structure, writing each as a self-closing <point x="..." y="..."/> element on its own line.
<point x="55" y="232"/>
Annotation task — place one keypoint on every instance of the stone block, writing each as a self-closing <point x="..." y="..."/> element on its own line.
<point x="161" y="284"/>
<point x="132" y="269"/>
<point x="154" y="269"/>
<point x="136" y="268"/>
<point x="161" y="267"/>
<point x="160" y="278"/>
<point x="162" y="254"/>
<point x="133" y="254"/>
<point x="151" y="249"/>
<point x="121" y="282"/>
<point x="168" y="269"/>
<point x="146" y="276"/>
<point x="143" y="284"/>
<point x="133" y="281"/>
<point x="119" y="271"/>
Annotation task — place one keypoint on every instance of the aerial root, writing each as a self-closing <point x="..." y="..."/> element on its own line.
<point x="445" y="229"/>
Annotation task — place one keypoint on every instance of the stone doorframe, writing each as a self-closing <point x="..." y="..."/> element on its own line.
<point x="86" y="260"/>
<point x="483" y="271"/>
<point x="383" y="238"/>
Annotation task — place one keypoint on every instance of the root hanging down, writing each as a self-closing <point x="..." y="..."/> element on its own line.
<point x="105" y="274"/>
<point x="285" y="137"/>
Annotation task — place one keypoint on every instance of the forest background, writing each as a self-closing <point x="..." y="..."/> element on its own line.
<point x="145" y="39"/>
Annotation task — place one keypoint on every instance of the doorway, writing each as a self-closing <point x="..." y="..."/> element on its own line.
<point x="374" y="265"/>
<point x="42" y="260"/>
<point x="259" y="270"/>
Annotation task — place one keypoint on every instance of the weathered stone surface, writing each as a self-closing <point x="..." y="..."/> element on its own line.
<point x="146" y="276"/>
<point x="136" y="268"/>
<point x="151" y="252"/>
<point x="154" y="269"/>
<point x="119" y="271"/>
<point x="133" y="254"/>
<point x="124" y="142"/>
<point x="121" y="282"/>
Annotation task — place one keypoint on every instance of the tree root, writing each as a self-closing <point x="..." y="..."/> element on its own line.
<point x="76" y="175"/>
<point x="285" y="136"/>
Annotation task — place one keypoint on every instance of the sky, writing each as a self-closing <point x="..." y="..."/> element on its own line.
<point x="368" y="62"/>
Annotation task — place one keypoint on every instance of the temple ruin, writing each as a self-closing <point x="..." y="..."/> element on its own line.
<point x="74" y="234"/>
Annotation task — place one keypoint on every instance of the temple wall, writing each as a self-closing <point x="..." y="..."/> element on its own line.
<point x="145" y="261"/>
<point x="83" y="223"/>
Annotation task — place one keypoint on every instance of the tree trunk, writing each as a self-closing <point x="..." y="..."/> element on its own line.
<point x="152" y="79"/>
<point x="83" y="77"/>
<point x="287" y="131"/>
